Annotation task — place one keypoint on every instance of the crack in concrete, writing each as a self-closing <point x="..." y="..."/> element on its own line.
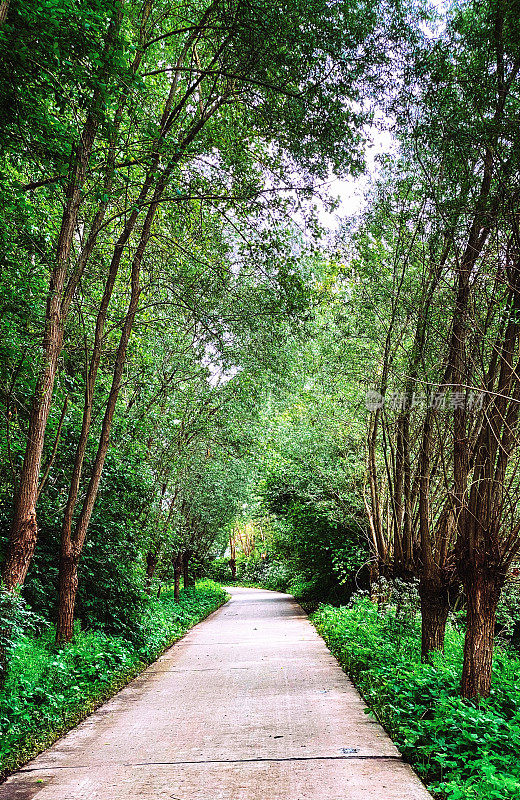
<point x="212" y="669"/>
<point x="353" y="757"/>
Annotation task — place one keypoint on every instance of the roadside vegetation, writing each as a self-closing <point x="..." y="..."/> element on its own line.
<point x="461" y="751"/>
<point x="49" y="689"/>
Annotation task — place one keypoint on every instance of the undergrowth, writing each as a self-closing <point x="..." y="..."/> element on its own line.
<point x="462" y="751"/>
<point x="49" y="690"/>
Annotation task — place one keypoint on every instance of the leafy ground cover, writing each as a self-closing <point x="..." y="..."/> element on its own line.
<point x="462" y="751"/>
<point x="49" y="690"/>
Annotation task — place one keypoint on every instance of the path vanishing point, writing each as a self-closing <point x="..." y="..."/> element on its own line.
<point x="250" y="705"/>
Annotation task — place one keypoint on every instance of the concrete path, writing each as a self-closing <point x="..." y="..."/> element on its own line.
<point x="250" y="705"/>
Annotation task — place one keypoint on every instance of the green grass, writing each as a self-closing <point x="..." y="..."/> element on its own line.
<point x="462" y="751"/>
<point x="50" y="690"/>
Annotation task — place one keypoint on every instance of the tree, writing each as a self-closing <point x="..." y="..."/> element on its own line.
<point x="464" y="218"/>
<point x="229" y="63"/>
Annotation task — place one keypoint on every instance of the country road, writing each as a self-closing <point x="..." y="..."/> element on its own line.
<point x="250" y="705"/>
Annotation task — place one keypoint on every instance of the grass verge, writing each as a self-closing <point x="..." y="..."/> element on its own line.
<point x="48" y="690"/>
<point x="462" y="751"/>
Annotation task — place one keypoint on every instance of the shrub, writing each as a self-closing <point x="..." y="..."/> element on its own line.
<point x="508" y="612"/>
<point x="463" y="751"/>
<point x="275" y="576"/>
<point x="268" y="573"/>
<point x="16" y="620"/>
<point x="307" y="592"/>
<point x="219" y="570"/>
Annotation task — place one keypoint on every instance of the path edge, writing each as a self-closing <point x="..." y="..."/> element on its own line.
<point x="370" y="710"/>
<point x="121" y="680"/>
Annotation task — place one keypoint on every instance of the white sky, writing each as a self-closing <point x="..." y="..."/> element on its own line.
<point x="352" y="192"/>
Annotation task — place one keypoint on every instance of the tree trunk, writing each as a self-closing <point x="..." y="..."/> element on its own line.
<point x="233" y="566"/>
<point x="151" y="563"/>
<point x="177" y="571"/>
<point x="3" y="665"/>
<point x="68" y="589"/>
<point x="4" y="9"/>
<point x="373" y="578"/>
<point x="185" y="568"/>
<point x="24" y="530"/>
<point x="482" y="593"/>
<point x="22" y="540"/>
<point x="77" y="539"/>
<point x="434" y="615"/>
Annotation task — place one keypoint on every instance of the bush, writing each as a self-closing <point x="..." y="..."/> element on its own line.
<point x="268" y="573"/>
<point x="309" y="593"/>
<point x="463" y="751"/>
<point x="111" y="572"/>
<point x="219" y="570"/>
<point x="16" y="620"/>
<point x="49" y="690"/>
<point x="275" y="576"/>
<point x="508" y="612"/>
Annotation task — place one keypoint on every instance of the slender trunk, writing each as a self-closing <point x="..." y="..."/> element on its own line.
<point x="24" y="530"/>
<point x="151" y="563"/>
<point x="4" y="10"/>
<point x="233" y="555"/>
<point x="50" y="462"/>
<point x="436" y="545"/>
<point x="23" y="535"/>
<point x="434" y="615"/>
<point x="185" y="568"/>
<point x="177" y="571"/>
<point x="3" y="665"/>
<point x="396" y="498"/>
<point x="485" y="550"/>
<point x="482" y="595"/>
<point x="407" y="504"/>
<point x="380" y="548"/>
<point x="68" y="589"/>
<point x="90" y="380"/>
<point x="77" y="539"/>
<point x="373" y="577"/>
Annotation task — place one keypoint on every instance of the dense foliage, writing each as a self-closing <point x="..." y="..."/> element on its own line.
<point x="200" y="375"/>
<point x="149" y="234"/>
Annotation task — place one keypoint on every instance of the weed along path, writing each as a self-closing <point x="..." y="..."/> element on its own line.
<point x="250" y="705"/>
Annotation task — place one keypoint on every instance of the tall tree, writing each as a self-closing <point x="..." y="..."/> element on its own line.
<point x="225" y="67"/>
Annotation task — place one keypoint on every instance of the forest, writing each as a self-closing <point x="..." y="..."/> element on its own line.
<point x="260" y="325"/>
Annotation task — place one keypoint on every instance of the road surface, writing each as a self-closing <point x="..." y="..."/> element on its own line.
<point x="250" y="705"/>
